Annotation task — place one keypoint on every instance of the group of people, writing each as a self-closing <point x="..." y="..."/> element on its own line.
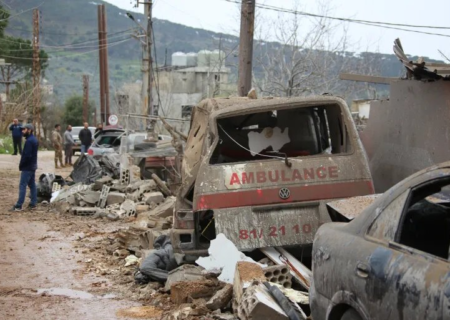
<point x="85" y="136"/>
<point x="28" y="159"/>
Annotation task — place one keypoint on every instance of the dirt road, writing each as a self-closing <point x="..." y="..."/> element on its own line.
<point x="55" y="266"/>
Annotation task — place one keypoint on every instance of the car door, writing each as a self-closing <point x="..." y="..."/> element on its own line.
<point x="405" y="278"/>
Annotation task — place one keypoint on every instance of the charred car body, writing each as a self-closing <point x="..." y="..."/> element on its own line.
<point x="261" y="171"/>
<point x="392" y="260"/>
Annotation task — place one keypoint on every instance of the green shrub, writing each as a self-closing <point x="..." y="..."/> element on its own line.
<point x="6" y="144"/>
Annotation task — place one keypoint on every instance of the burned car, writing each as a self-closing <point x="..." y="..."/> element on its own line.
<point x="392" y="260"/>
<point x="261" y="171"/>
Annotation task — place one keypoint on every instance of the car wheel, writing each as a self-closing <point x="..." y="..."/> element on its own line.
<point x="351" y="314"/>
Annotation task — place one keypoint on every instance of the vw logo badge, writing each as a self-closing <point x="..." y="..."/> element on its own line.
<point x="284" y="193"/>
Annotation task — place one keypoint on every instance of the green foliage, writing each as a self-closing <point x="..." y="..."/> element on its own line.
<point x="6" y="144"/>
<point x="73" y="111"/>
<point x="4" y="16"/>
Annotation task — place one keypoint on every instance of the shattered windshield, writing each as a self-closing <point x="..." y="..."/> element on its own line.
<point x="295" y="132"/>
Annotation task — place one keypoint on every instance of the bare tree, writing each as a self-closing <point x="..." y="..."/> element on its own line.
<point x="307" y="56"/>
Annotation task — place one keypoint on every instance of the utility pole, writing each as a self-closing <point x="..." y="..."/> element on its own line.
<point x="103" y="64"/>
<point x="36" y="76"/>
<point x="246" y="47"/>
<point x="86" y="98"/>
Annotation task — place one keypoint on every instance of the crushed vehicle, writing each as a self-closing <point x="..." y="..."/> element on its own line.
<point x="392" y="260"/>
<point x="261" y="171"/>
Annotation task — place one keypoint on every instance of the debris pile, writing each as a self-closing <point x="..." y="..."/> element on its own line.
<point x="225" y="285"/>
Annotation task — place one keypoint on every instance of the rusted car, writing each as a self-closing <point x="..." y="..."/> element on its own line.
<point x="261" y="171"/>
<point x="392" y="260"/>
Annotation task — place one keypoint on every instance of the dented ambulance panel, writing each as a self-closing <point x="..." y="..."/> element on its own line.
<point x="268" y="167"/>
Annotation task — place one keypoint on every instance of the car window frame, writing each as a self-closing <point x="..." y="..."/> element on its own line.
<point x="396" y="242"/>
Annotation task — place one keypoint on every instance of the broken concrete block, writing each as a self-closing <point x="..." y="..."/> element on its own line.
<point x="161" y="185"/>
<point x="129" y="208"/>
<point x="135" y="173"/>
<point x="135" y="185"/>
<point x="134" y="196"/>
<point x="115" y="197"/>
<point x="79" y="211"/>
<point x="165" y="209"/>
<point x="148" y="186"/>
<point x="90" y="197"/>
<point x="279" y="274"/>
<point x="221" y="298"/>
<point x="121" y="253"/>
<point x="99" y="183"/>
<point x="182" y="292"/>
<point x="153" y="197"/>
<point x="246" y="273"/>
<point x="142" y="208"/>
<point x="257" y="304"/>
<point x="185" y="272"/>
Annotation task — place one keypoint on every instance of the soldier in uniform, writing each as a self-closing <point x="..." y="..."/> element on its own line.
<point x="58" y="146"/>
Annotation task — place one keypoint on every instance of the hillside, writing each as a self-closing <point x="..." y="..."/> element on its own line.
<point x="66" y="22"/>
<point x="69" y="35"/>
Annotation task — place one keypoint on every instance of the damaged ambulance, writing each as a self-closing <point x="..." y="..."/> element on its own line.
<point x="261" y="171"/>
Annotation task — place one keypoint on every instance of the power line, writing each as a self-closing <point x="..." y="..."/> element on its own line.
<point x="64" y="48"/>
<point x="386" y="25"/>
<point x="69" y="55"/>
<point x="25" y="11"/>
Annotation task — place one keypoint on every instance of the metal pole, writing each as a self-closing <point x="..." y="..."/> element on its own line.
<point x="100" y="61"/>
<point x="85" y="97"/>
<point x="246" y="47"/>
<point x="105" y="59"/>
<point x="36" y="76"/>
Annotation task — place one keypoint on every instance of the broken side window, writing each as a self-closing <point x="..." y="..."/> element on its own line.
<point x="425" y="224"/>
<point x="294" y="132"/>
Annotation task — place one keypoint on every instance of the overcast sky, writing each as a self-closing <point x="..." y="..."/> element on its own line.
<point x="222" y="16"/>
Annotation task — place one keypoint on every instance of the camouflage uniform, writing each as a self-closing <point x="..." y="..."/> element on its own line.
<point x="57" y="145"/>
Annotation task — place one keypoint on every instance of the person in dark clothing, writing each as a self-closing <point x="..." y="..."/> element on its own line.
<point x="28" y="167"/>
<point x="16" y="129"/>
<point x="85" y="137"/>
<point x="98" y="130"/>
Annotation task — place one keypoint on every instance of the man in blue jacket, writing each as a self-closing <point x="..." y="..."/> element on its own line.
<point x="16" y="129"/>
<point x="28" y="167"/>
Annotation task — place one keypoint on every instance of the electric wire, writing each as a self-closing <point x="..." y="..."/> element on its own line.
<point x="379" y="24"/>
<point x="69" y="55"/>
<point x="20" y="13"/>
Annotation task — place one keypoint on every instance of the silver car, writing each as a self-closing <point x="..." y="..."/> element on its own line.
<point x="392" y="260"/>
<point x="75" y="131"/>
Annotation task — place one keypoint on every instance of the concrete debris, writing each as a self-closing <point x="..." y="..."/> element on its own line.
<point x="185" y="272"/>
<point x="161" y="185"/>
<point x="245" y="275"/>
<point x="140" y="208"/>
<point x="187" y="291"/>
<point x="279" y="274"/>
<point x="165" y="209"/>
<point x="103" y="181"/>
<point x="223" y="255"/>
<point x="221" y="298"/>
<point x="121" y="253"/>
<point x="103" y="196"/>
<point x="89" y="197"/>
<point x="131" y="260"/>
<point x="294" y="295"/>
<point x="128" y="209"/>
<point x="153" y="197"/>
<point x="115" y="197"/>
<point x="258" y="304"/>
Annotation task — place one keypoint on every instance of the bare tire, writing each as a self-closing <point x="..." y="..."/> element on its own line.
<point x="351" y="314"/>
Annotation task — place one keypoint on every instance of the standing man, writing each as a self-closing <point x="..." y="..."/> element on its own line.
<point x="68" y="145"/>
<point x="98" y="130"/>
<point x="28" y="167"/>
<point x="57" y="145"/>
<point x="16" y="129"/>
<point x="85" y="136"/>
